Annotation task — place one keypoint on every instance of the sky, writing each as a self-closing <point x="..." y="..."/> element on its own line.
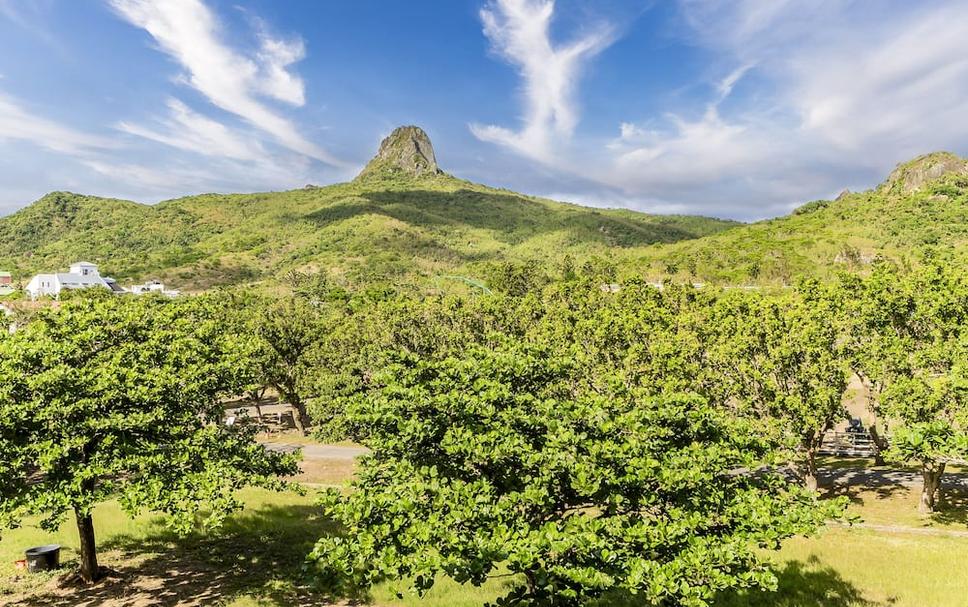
<point x="740" y="109"/>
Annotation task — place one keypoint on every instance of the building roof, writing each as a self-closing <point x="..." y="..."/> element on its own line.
<point x="71" y="280"/>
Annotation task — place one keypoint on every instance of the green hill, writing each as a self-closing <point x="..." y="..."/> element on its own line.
<point x="402" y="219"/>
<point x="923" y="202"/>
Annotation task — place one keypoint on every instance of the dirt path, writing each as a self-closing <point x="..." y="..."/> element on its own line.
<point x="907" y="529"/>
<point x="320" y="452"/>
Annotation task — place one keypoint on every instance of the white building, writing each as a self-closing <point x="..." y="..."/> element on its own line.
<point x="82" y="275"/>
<point x="153" y="286"/>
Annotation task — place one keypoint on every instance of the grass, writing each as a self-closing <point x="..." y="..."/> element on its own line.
<point x="857" y="567"/>
<point x="891" y="503"/>
<point x="867" y="463"/>
<point x="257" y="559"/>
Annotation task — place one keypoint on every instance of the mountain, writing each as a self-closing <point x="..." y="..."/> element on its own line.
<point x="402" y="218"/>
<point x="922" y="202"/>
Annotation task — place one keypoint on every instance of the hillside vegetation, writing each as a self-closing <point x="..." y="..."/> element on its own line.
<point x="923" y="202"/>
<point x="410" y="228"/>
<point x="404" y="221"/>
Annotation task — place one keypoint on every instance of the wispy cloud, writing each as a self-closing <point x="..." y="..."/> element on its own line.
<point x="898" y="87"/>
<point x="19" y="123"/>
<point x="179" y="176"/>
<point x="830" y="98"/>
<point x="232" y="80"/>
<point x="124" y="169"/>
<point x="32" y="17"/>
<point x="520" y="33"/>
<point x="188" y="130"/>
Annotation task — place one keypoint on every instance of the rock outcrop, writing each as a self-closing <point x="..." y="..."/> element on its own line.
<point x="913" y="175"/>
<point x="407" y="151"/>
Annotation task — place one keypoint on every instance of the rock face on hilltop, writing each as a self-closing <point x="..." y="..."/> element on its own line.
<point x="911" y="176"/>
<point x="407" y="151"/>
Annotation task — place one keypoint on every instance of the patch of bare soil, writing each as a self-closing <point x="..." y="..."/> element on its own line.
<point x="326" y="472"/>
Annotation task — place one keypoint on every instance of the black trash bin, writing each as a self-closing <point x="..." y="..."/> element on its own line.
<point x="43" y="558"/>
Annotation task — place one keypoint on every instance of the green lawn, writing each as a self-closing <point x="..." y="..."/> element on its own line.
<point x="857" y="567"/>
<point x="256" y="560"/>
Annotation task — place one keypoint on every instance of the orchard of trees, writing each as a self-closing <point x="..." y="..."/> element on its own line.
<point x="589" y="439"/>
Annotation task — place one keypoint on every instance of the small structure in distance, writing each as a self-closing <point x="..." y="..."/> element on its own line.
<point x="153" y="286"/>
<point x="82" y="275"/>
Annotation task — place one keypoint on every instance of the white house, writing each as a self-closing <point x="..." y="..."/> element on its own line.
<point x="153" y="286"/>
<point x="82" y="275"/>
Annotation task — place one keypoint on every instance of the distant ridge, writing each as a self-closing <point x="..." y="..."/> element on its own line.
<point x="402" y="221"/>
<point x="922" y="203"/>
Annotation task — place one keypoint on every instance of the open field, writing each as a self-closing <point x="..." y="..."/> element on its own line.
<point x="256" y="560"/>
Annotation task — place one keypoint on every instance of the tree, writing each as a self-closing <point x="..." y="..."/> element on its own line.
<point x="517" y="278"/>
<point x="354" y="341"/>
<point x="110" y="397"/>
<point x="784" y="356"/>
<point x="506" y="455"/>
<point x="917" y="356"/>
<point x="289" y="330"/>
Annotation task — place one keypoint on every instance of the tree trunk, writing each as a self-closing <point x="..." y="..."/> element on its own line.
<point x="85" y="529"/>
<point x="810" y="471"/>
<point x="931" y="473"/>
<point x="300" y="416"/>
<point x="256" y="397"/>
<point x="880" y="445"/>
<point x="937" y="485"/>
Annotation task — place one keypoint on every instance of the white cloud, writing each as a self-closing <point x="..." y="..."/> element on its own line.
<point x="275" y="56"/>
<point x="149" y="178"/>
<point x="189" y="32"/>
<point x="193" y="132"/>
<point x="106" y="166"/>
<point x="833" y="95"/>
<point x="897" y="88"/>
<point x="19" y="123"/>
<point x="520" y="33"/>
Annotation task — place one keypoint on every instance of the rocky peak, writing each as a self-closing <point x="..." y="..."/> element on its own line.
<point x="913" y="175"/>
<point x="407" y="151"/>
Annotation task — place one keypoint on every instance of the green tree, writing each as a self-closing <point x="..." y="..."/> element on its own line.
<point x="110" y="397"/>
<point x="517" y="278"/>
<point x="784" y="356"/>
<point x="916" y="354"/>
<point x="288" y="332"/>
<point x="505" y="455"/>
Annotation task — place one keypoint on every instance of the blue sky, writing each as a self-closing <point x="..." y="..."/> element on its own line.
<point x="741" y="109"/>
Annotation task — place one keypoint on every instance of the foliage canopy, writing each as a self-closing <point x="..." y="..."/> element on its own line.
<point x="108" y="397"/>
